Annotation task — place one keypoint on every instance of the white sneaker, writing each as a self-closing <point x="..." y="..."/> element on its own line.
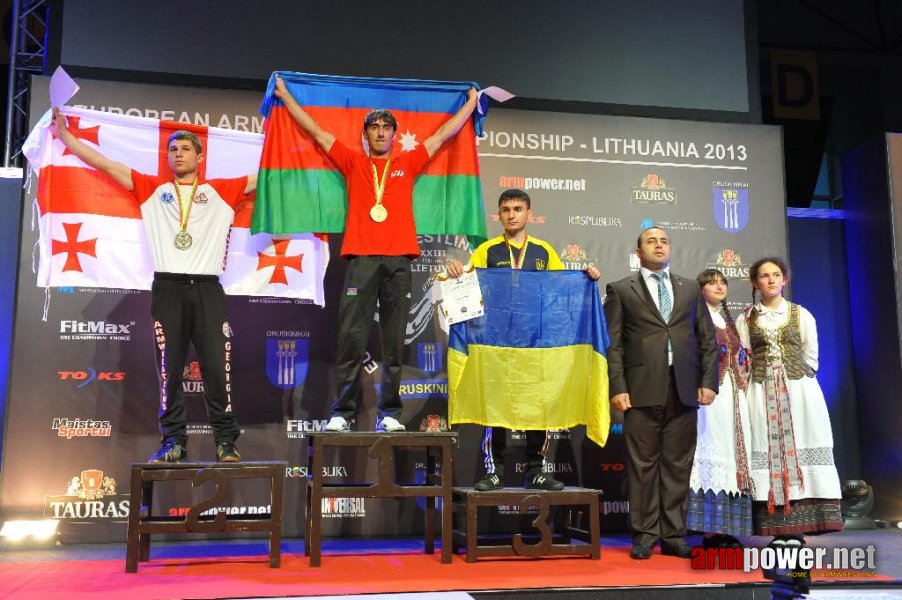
<point x="337" y="424"/>
<point x="389" y="424"/>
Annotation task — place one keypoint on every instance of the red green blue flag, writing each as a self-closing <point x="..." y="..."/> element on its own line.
<point x="300" y="190"/>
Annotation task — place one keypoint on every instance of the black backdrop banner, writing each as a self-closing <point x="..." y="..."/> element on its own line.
<point x="81" y="410"/>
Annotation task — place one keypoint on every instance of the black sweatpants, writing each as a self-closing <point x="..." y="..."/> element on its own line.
<point x="368" y="279"/>
<point x="192" y="309"/>
<point x="495" y="442"/>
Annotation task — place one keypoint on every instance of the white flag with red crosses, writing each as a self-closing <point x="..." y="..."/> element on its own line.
<point x="91" y="232"/>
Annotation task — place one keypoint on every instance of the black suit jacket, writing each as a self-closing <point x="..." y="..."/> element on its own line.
<point x="637" y="358"/>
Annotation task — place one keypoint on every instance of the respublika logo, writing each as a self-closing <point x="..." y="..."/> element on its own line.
<point x="70" y="428"/>
<point x="594" y="221"/>
<point x="90" y="496"/>
<point x="654" y="190"/>
<point x="328" y="471"/>
<point x="95" y="330"/>
<point x="287" y="358"/>
<point x="430" y="357"/>
<point x="731" y="205"/>
<point x="90" y="375"/>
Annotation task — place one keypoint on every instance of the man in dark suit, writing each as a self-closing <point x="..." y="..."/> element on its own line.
<point x="662" y="364"/>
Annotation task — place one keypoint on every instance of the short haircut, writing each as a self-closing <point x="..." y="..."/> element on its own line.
<point x="641" y="233"/>
<point x="514" y="194"/>
<point x="183" y="134"/>
<point x="380" y="114"/>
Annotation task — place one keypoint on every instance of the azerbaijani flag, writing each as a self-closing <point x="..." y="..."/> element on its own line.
<point x="299" y="189"/>
<point x="536" y="358"/>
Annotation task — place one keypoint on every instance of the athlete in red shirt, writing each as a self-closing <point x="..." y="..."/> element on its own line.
<point x="380" y="241"/>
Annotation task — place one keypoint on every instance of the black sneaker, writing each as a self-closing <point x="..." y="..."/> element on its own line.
<point x="169" y="452"/>
<point x="227" y="452"/>
<point x="543" y="481"/>
<point x="491" y="481"/>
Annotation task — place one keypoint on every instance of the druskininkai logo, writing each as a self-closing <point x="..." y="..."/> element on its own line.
<point x="731" y="208"/>
<point x="287" y="361"/>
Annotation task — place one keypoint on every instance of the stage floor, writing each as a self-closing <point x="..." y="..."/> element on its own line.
<point x="398" y="568"/>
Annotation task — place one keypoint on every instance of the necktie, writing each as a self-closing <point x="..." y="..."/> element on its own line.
<point x="664" y="304"/>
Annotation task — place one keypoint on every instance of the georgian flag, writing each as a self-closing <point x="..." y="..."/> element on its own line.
<point x="91" y="232"/>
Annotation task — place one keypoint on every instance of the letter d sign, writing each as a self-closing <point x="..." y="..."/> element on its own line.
<point x="794" y="85"/>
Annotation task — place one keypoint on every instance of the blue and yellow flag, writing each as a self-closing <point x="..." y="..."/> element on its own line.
<point x="536" y="359"/>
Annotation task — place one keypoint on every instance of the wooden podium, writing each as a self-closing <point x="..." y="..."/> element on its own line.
<point x="438" y="447"/>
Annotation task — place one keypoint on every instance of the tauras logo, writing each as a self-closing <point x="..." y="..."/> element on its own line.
<point x="93" y="330"/>
<point x="90" y="496"/>
<point x="70" y="428"/>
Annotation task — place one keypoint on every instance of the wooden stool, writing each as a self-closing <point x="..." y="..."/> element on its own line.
<point x="142" y="523"/>
<point x="467" y="502"/>
<point x="439" y="448"/>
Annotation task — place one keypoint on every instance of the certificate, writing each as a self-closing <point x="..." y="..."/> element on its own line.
<point x="462" y="298"/>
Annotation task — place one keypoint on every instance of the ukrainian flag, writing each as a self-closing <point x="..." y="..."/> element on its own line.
<point x="536" y="359"/>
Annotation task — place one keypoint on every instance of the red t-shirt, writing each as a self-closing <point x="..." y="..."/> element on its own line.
<point x="397" y="234"/>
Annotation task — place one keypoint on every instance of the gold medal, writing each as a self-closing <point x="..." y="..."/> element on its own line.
<point x="183" y="240"/>
<point x="378" y="213"/>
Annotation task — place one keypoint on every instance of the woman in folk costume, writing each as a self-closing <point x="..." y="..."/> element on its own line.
<point x="720" y="500"/>
<point x="797" y="489"/>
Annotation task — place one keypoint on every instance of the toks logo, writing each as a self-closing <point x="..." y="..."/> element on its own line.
<point x="90" y="496"/>
<point x="90" y="375"/>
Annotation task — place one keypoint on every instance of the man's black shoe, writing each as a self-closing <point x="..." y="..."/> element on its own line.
<point x="542" y="481"/>
<point x="491" y="481"/>
<point x="169" y="452"/>
<point x="227" y="453"/>
<point x="682" y="550"/>
<point x="640" y="552"/>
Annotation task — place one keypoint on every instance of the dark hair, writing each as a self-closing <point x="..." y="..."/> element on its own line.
<point x="183" y="134"/>
<point x="380" y="114"/>
<point x="641" y="233"/>
<point x="711" y="276"/>
<point x="514" y="194"/>
<point x="756" y="266"/>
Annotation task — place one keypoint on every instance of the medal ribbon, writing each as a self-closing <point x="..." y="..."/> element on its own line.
<point x="377" y="185"/>
<point x="184" y="215"/>
<point x="516" y="264"/>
